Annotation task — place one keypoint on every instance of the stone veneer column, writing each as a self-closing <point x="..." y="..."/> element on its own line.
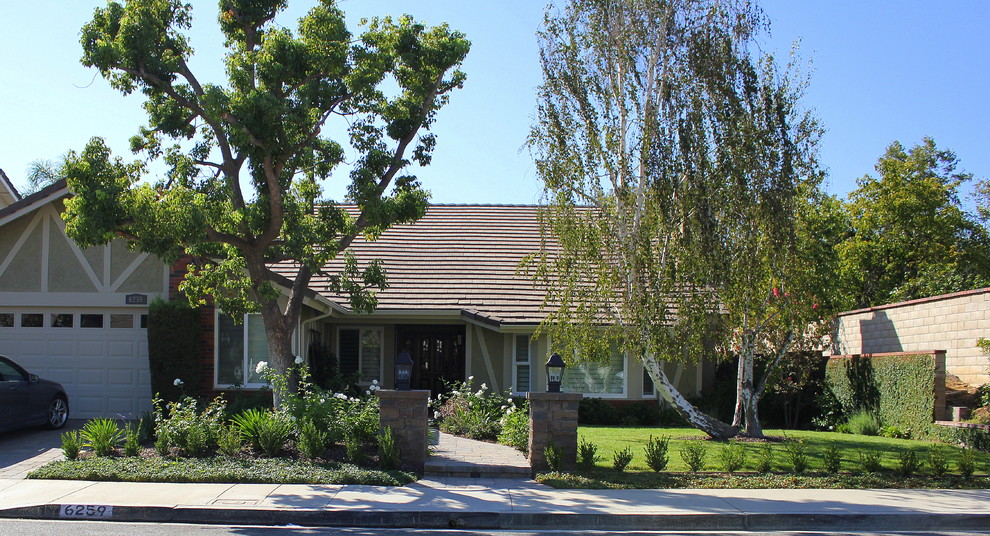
<point x="406" y="413"/>
<point x="553" y="417"/>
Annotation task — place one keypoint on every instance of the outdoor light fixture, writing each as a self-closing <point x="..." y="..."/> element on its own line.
<point x="555" y="373"/>
<point x="403" y="371"/>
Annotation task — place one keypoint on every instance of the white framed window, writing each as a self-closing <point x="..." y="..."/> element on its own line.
<point x="521" y="364"/>
<point x="238" y="348"/>
<point x="603" y="380"/>
<point x="362" y="350"/>
<point x="649" y="390"/>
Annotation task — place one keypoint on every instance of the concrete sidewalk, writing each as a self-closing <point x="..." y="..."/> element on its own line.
<point x="498" y="503"/>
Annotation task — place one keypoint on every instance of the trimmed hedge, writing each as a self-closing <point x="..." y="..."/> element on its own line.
<point x="899" y="389"/>
<point x="173" y="348"/>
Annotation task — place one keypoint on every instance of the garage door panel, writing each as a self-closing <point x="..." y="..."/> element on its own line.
<point x="104" y="371"/>
<point x="92" y="349"/>
<point x="121" y="377"/>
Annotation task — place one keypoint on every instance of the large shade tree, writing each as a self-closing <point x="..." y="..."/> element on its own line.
<point x="675" y="159"/>
<point x="908" y="233"/>
<point x="247" y="158"/>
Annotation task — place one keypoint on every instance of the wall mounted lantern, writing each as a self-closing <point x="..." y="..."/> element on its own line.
<point x="555" y="373"/>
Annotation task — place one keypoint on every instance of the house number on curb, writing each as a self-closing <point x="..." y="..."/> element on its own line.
<point x="86" y="511"/>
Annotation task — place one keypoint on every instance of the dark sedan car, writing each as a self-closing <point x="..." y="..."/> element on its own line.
<point x="26" y="400"/>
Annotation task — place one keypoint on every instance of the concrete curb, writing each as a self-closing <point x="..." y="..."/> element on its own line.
<point x="518" y="520"/>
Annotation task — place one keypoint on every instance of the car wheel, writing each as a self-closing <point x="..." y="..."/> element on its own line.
<point x="58" y="413"/>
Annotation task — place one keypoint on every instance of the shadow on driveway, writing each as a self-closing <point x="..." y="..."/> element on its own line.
<point x="19" y="447"/>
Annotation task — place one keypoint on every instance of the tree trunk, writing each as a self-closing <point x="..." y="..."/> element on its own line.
<point x="738" y="412"/>
<point x="709" y="425"/>
<point x="279" y="351"/>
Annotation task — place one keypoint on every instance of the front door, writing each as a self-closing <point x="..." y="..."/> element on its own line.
<point x="437" y="352"/>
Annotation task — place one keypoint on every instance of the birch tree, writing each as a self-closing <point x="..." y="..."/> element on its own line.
<point x="673" y="154"/>
<point x="247" y="157"/>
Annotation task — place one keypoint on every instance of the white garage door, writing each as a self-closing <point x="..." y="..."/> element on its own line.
<point x="100" y="357"/>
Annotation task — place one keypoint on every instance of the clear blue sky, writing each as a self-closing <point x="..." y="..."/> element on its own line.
<point x="883" y="71"/>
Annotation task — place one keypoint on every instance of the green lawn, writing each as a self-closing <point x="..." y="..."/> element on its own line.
<point x="610" y="439"/>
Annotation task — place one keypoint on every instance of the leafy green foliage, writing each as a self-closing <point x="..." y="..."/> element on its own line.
<point x="694" y="453"/>
<point x="732" y="457"/>
<point x="938" y="463"/>
<point x="910" y="236"/>
<point x="621" y="458"/>
<point x="657" y="452"/>
<point x="101" y="435"/>
<point x="832" y="459"/>
<point x="675" y="162"/>
<point x="797" y="456"/>
<point x="132" y="442"/>
<point x="764" y="458"/>
<point x="388" y="450"/>
<point x="219" y="470"/>
<point x="173" y="347"/>
<point x="312" y="440"/>
<point x="477" y="414"/>
<point x="229" y="441"/>
<point x="515" y="427"/>
<point x="183" y="428"/>
<point x="587" y="455"/>
<point x="908" y="463"/>
<point x="71" y="444"/>
<point x="554" y="454"/>
<point x="966" y="463"/>
<point x="869" y="461"/>
<point x="864" y="423"/>
<point x="898" y="390"/>
<point x="247" y="157"/>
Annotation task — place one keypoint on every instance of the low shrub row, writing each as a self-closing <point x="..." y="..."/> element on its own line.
<point x="482" y="414"/>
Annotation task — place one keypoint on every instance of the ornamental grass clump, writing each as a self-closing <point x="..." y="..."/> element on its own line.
<point x="102" y="435"/>
<point x="554" y="455"/>
<point x="864" y="423"/>
<point x="71" y="444"/>
<point x="388" y="450"/>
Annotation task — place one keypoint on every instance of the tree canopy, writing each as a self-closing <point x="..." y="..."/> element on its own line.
<point x="908" y="235"/>
<point x="675" y="158"/>
<point x="247" y="157"/>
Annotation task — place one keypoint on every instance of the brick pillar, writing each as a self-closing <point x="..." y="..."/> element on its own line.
<point x="406" y="413"/>
<point x="553" y="417"/>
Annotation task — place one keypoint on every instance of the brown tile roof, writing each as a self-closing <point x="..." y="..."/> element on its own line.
<point x="456" y="258"/>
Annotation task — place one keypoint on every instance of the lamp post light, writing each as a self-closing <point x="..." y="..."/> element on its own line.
<point x="555" y="372"/>
<point x="403" y="371"/>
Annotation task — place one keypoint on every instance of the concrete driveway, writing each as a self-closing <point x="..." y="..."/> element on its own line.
<point x="22" y="451"/>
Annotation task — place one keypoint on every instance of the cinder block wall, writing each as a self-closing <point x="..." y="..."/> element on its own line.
<point x="951" y="322"/>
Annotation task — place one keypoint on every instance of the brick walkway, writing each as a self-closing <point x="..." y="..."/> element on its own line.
<point x="460" y="457"/>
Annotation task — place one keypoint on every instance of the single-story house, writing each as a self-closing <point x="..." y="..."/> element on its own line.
<point x="457" y="301"/>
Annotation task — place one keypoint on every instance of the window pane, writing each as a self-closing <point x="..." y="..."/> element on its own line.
<point x="348" y="350"/>
<point x="32" y="320"/>
<point x="122" y="320"/>
<point x="371" y="355"/>
<point x="91" y="321"/>
<point x="522" y="348"/>
<point x="257" y="347"/>
<point x="6" y="320"/>
<point x="61" y="320"/>
<point x="522" y="378"/>
<point x="144" y="321"/>
<point x="230" y="351"/>
<point x="594" y="378"/>
<point x="647" y="383"/>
